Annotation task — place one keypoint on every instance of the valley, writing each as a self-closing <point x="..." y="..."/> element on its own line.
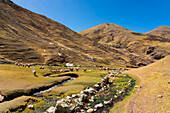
<point x="47" y="67"/>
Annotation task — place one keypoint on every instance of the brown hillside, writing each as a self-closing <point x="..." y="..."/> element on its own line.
<point x="154" y="81"/>
<point x="131" y="42"/>
<point x="162" y="31"/>
<point x="32" y="38"/>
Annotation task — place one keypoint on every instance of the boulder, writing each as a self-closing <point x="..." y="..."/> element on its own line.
<point x="51" y="110"/>
<point x="90" y="110"/>
<point x="98" y="106"/>
<point x="96" y="86"/>
<point x="83" y="97"/>
<point x="77" y="109"/>
<point x="65" y="108"/>
<point x="82" y="111"/>
<point x="31" y="107"/>
<point x="1" y="98"/>
<point x="130" y="80"/>
<point x="90" y="91"/>
<point x="109" y="102"/>
<point x="74" y="96"/>
<point x="160" y="96"/>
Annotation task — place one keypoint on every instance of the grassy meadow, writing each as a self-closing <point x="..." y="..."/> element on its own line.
<point x="18" y="81"/>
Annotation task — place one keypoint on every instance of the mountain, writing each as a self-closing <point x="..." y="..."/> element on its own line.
<point x="32" y="38"/>
<point x="162" y="31"/>
<point x="28" y="37"/>
<point x="138" y="44"/>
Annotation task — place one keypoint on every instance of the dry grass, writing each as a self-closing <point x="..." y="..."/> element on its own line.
<point x="64" y="90"/>
<point x="17" y="105"/>
<point x="75" y="86"/>
<point x="17" y="79"/>
<point x="154" y="81"/>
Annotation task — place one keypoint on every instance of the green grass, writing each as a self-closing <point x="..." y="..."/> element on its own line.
<point x="119" y="107"/>
<point x="18" y="80"/>
<point x="17" y="105"/>
<point x="75" y="86"/>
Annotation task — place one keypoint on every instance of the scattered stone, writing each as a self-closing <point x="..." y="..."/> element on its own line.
<point x="82" y="111"/>
<point x="31" y="107"/>
<point x="98" y="106"/>
<point x="108" y="102"/>
<point x="160" y="96"/>
<point x="136" y="86"/>
<point x="82" y="101"/>
<point x="90" y="110"/>
<point x="77" y="109"/>
<point x="74" y="96"/>
<point x="117" y="86"/>
<point x="51" y="110"/>
<point x="124" y="75"/>
<point x="115" y="96"/>
<point x="130" y="80"/>
<point x="1" y="98"/>
<point x="129" y="84"/>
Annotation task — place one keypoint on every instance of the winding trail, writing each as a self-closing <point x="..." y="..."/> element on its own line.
<point x="155" y="80"/>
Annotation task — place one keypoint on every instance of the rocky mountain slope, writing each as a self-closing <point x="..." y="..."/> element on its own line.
<point x="146" y="45"/>
<point x="33" y="38"/>
<point x="28" y="37"/>
<point x="162" y="32"/>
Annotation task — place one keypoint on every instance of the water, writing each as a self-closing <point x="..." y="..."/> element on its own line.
<point x="40" y="92"/>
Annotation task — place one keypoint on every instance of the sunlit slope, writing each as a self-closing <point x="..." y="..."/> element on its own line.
<point x="32" y="38"/>
<point x="145" y="45"/>
<point x="154" y="81"/>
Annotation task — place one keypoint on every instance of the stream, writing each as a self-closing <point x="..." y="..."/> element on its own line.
<point x="39" y="94"/>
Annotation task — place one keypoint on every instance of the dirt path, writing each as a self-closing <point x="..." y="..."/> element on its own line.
<point x="155" y="80"/>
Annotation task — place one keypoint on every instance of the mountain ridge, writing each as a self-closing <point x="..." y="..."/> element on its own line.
<point x="33" y="38"/>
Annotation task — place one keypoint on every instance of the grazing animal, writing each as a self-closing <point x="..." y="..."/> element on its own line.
<point x="34" y="72"/>
<point x="84" y="69"/>
<point x="41" y="67"/>
<point x="28" y="65"/>
<point x="71" y="69"/>
<point x="77" y="69"/>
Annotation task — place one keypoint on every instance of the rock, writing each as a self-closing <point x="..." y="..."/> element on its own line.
<point x="129" y="84"/>
<point x="51" y="110"/>
<point x="108" y="102"/>
<point x="77" y="109"/>
<point x="97" y="86"/>
<point x="115" y="96"/>
<point x="98" y="106"/>
<point x="117" y="86"/>
<point x="83" y="97"/>
<point x="90" y="91"/>
<point x="124" y="75"/>
<point x="160" y="96"/>
<point x="65" y="108"/>
<point x="90" y="110"/>
<point x="130" y="80"/>
<point x="1" y="98"/>
<point x="31" y="107"/>
<point x="74" y="96"/>
<point x="82" y="111"/>
<point x="91" y="99"/>
<point x="136" y="86"/>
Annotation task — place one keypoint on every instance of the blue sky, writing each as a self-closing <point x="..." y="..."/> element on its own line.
<point x="136" y="15"/>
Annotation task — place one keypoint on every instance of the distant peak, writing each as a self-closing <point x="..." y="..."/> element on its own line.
<point x="163" y="26"/>
<point x="6" y="1"/>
